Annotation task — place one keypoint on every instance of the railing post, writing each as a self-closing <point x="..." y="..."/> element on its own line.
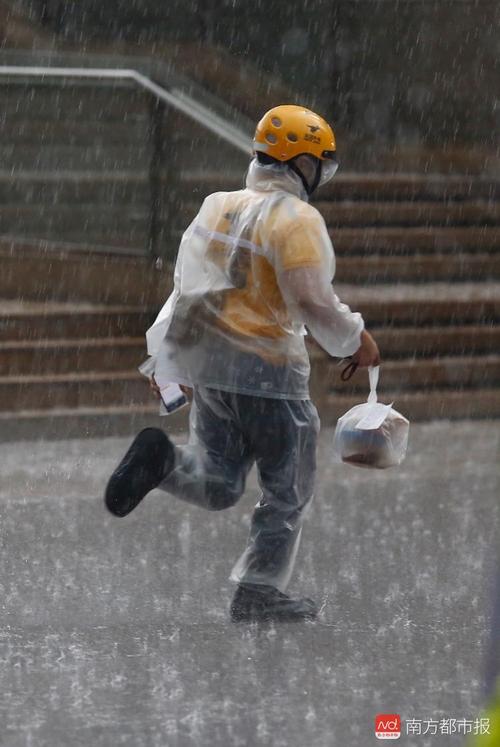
<point x="156" y="140"/>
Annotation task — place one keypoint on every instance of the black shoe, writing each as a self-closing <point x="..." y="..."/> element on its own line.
<point x="148" y="461"/>
<point x="253" y="602"/>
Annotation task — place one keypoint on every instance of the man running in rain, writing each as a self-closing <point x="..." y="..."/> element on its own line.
<point x="254" y="269"/>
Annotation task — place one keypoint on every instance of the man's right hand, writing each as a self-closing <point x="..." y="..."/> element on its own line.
<point x="368" y="353"/>
<point x="154" y="387"/>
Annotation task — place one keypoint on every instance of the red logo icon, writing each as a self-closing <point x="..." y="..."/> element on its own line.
<point x="387" y="726"/>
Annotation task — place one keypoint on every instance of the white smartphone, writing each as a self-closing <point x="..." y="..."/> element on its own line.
<point x="173" y="398"/>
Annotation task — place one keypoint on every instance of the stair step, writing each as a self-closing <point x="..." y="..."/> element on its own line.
<point x="48" y="192"/>
<point x="405" y="242"/>
<point x="81" y="157"/>
<point x="60" y="205"/>
<point x="79" y="179"/>
<point x="371" y="186"/>
<point x="40" y="321"/>
<point x="201" y="183"/>
<point x="62" y="218"/>
<point x="432" y="303"/>
<point x="418" y="406"/>
<point x="81" y="422"/>
<point x="208" y="153"/>
<point x="73" y="390"/>
<point x="361" y="214"/>
<point x="106" y="156"/>
<point x="385" y="186"/>
<point x="78" y="248"/>
<point x="44" y="187"/>
<point x="451" y="213"/>
<point x="33" y="131"/>
<point x="426" y="342"/>
<point x="397" y="376"/>
<point x="409" y="240"/>
<point x="69" y="356"/>
<point x="83" y="105"/>
<point x="135" y="241"/>
<point x="455" y="266"/>
<point x="79" y="100"/>
<point x="347" y="241"/>
<point x="48" y="273"/>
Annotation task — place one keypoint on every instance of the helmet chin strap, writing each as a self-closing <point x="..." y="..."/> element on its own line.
<point x="308" y="187"/>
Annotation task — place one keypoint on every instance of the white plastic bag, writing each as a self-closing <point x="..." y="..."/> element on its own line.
<point x="371" y="435"/>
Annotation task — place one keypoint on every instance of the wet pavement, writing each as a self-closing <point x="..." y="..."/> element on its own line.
<point x="115" y="631"/>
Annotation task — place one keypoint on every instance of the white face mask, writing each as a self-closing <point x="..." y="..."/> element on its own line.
<point x="328" y="171"/>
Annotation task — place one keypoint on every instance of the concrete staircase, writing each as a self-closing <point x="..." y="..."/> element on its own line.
<point x="80" y="167"/>
<point x="418" y="256"/>
<point x="71" y="337"/>
<point x="90" y="193"/>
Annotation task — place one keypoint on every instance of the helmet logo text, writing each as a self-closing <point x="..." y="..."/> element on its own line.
<point x="312" y="138"/>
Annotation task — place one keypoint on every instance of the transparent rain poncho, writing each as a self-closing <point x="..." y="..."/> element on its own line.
<point x="228" y="433"/>
<point x="254" y="269"/>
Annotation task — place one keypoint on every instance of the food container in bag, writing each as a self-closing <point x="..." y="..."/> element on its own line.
<point x="372" y="434"/>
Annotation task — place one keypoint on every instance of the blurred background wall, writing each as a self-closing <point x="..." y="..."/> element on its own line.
<point x="410" y="84"/>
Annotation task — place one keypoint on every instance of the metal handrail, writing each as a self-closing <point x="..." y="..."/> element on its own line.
<point x="175" y="97"/>
<point x="158" y="69"/>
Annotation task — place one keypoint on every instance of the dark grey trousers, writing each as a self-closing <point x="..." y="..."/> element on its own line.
<point x="229" y="433"/>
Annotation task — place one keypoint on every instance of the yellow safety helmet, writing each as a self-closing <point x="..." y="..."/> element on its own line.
<point x="286" y="132"/>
